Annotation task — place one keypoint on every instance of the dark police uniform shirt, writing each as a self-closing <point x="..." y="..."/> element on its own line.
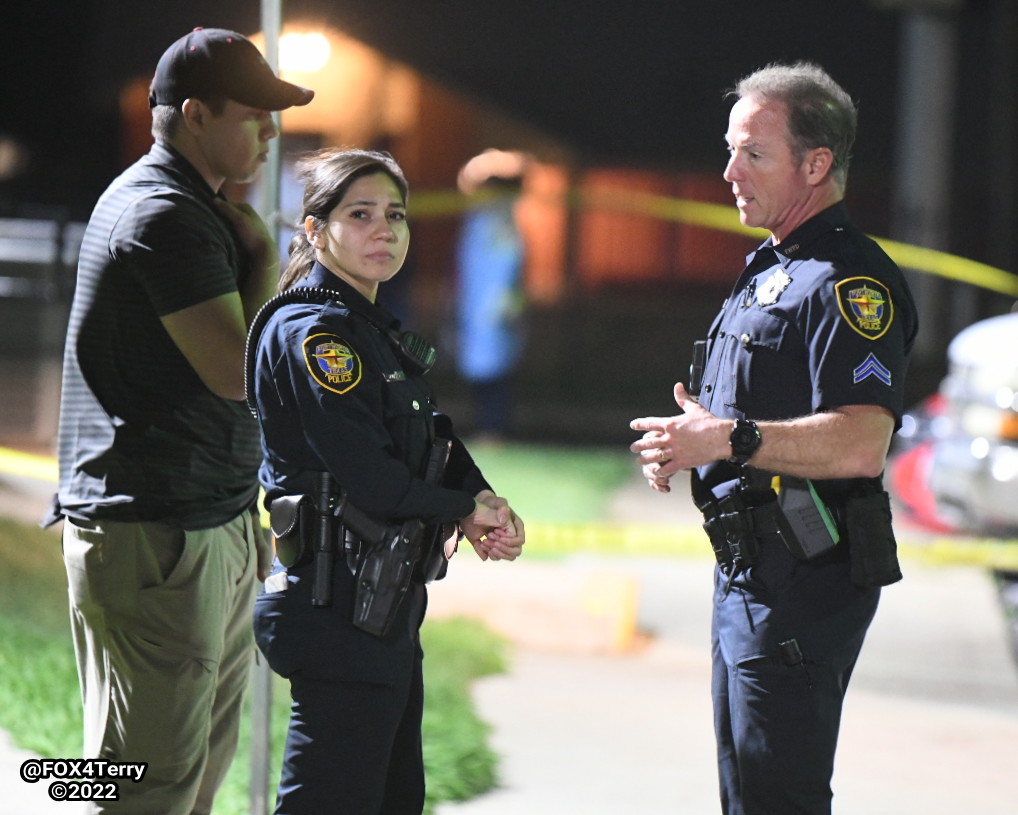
<point x="821" y="321"/>
<point x="333" y="393"/>
<point x="141" y="437"/>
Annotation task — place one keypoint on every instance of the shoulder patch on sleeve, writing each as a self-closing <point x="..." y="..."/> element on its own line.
<point x="332" y="363"/>
<point x="866" y="305"/>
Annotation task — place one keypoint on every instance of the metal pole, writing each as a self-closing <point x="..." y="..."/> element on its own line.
<point x="272" y="23"/>
<point x="261" y="675"/>
<point x="923" y="162"/>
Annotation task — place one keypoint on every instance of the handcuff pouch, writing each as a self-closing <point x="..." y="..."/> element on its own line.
<point x="291" y="519"/>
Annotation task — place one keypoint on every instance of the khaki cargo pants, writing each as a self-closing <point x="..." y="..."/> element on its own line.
<point x="161" y="620"/>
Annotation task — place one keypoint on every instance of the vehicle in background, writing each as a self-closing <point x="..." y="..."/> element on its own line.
<point x="954" y="463"/>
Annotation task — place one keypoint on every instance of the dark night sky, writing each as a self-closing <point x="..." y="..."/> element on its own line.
<point x="636" y="83"/>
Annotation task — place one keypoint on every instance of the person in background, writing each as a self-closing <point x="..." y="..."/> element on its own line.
<point x="158" y="453"/>
<point x="349" y="423"/>
<point x="489" y="296"/>
<point x="801" y="389"/>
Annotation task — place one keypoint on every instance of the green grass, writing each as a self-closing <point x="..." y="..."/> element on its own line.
<point x="555" y="484"/>
<point x="39" y="698"/>
<point x="40" y="703"/>
<point x="560" y="492"/>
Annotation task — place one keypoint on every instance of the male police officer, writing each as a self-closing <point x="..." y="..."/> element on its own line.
<point x="158" y="453"/>
<point x="801" y="390"/>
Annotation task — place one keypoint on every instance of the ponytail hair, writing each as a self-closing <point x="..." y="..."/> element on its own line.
<point x="326" y="175"/>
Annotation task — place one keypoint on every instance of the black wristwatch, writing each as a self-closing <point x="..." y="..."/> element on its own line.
<point x="745" y="438"/>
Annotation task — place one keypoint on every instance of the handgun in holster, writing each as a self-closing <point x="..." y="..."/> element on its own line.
<point x="382" y="557"/>
<point x="388" y="564"/>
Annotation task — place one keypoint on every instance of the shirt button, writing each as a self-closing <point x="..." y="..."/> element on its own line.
<point x="744" y="339"/>
<point x="416" y="404"/>
<point x="709" y="388"/>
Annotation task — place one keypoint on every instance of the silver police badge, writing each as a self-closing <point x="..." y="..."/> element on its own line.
<point x="770" y="291"/>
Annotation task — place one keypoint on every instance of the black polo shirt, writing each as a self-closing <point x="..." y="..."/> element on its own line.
<point x="141" y="437"/>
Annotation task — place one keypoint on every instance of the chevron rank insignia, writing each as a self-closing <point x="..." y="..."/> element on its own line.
<point x="871" y="366"/>
<point x="333" y="364"/>
<point x="866" y="305"/>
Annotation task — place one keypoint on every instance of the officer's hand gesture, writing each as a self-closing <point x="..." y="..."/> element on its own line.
<point x="692" y="438"/>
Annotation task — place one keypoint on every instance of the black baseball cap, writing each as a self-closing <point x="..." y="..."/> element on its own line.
<point x="214" y="62"/>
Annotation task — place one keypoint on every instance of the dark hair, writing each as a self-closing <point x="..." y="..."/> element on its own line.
<point x="820" y="112"/>
<point x="327" y="175"/>
<point x="166" y="119"/>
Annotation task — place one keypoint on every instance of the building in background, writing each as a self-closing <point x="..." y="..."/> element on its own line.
<point x="614" y="116"/>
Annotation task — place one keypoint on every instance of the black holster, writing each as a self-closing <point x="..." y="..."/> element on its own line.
<point x="383" y="576"/>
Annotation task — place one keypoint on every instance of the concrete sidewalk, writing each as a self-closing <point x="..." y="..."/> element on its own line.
<point x="930" y="723"/>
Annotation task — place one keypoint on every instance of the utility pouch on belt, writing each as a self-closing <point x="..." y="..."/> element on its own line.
<point x="805" y="524"/>
<point x="729" y="523"/>
<point x="291" y="519"/>
<point x="434" y="562"/>
<point x="872" y="547"/>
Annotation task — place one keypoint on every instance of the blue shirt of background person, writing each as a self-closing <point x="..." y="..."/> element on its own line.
<point x="490" y="300"/>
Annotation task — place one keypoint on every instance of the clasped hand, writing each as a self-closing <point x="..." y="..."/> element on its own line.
<point x="494" y="530"/>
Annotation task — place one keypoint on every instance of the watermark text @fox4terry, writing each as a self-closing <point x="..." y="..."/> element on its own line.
<point x="82" y="779"/>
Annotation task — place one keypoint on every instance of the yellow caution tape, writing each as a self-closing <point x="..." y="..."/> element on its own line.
<point x="546" y="539"/>
<point x="952" y="267"/>
<point x="555" y="539"/>
<point x="724" y="218"/>
<point x="28" y="465"/>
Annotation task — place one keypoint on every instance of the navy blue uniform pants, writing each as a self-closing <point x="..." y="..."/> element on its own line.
<point x="776" y="720"/>
<point x="354" y="743"/>
<point x="360" y="745"/>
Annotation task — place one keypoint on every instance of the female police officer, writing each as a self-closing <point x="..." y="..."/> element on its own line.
<point x="339" y="390"/>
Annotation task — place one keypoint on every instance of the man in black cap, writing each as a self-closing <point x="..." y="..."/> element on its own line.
<point x="158" y="453"/>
